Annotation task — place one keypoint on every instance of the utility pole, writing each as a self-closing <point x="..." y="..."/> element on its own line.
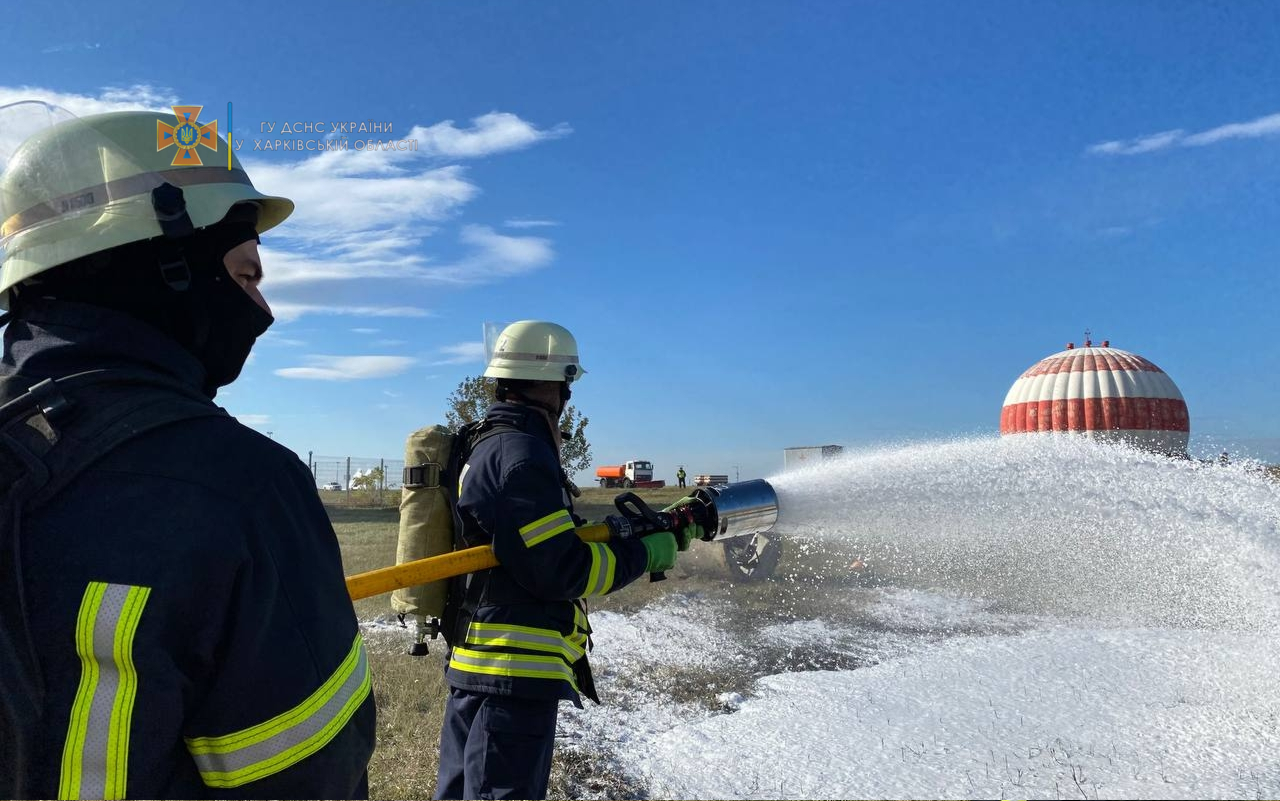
<point x="736" y="477"/>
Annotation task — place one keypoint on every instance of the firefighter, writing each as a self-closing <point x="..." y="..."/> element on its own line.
<point x="179" y="605"/>
<point x="680" y="475"/>
<point x="520" y="642"/>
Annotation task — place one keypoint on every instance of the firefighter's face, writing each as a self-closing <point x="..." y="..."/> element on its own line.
<point x="245" y="267"/>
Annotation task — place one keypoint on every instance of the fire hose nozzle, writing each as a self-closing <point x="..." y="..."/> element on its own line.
<point x="737" y="510"/>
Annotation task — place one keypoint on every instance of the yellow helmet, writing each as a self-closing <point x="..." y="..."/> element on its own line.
<point x="84" y="185"/>
<point x="532" y="350"/>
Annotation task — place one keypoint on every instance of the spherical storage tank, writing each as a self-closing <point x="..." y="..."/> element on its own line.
<point x="1101" y="392"/>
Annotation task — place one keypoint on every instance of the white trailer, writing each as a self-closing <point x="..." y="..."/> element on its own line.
<point x="807" y="456"/>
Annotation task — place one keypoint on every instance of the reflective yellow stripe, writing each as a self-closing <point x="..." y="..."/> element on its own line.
<point x="492" y="663"/>
<point x="581" y="630"/>
<point x="95" y="756"/>
<point x="544" y="528"/>
<point x="603" y="566"/>
<point x="232" y="760"/>
<point x="498" y="635"/>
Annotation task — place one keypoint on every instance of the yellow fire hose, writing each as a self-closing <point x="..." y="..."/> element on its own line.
<point x="434" y="568"/>
<point x="732" y="511"/>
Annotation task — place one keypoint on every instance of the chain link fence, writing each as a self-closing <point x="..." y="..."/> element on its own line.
<point x="357" y="480"/>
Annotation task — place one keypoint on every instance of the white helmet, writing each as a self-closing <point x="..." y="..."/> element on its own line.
<point x="83" y="185"/>
<point x="532" y="350"/>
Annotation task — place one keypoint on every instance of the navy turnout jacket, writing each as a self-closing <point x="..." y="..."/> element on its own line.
<point x="186" y="599"/>
<point x="530" y="630"/>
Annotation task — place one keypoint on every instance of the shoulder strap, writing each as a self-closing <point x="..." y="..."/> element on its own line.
<point x="62" y="426"/>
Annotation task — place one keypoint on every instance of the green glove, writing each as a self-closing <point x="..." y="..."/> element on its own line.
<point x="686" y="535"/>
<point x="661" y="548"/>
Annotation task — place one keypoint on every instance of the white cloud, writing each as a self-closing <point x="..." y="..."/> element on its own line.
<point x="517" y="223"/>
<point x="288" y="312"/>
<point x="113" y="98"/>
<point x="348" y="368"/>
<point x="272" y="337"/>
<point x="335" y="204"/>
<point x="364" y="330"/>
<point x="1262" y="126"/>
<point x="494" y="132"/>
<point x="67" y="48"/>
<point x="365" y="215"/>
<point x="493" y="256"/>
<point x="462" y="353"/>
<point x="253" y="419"/>
<point x="1142" y="144"/>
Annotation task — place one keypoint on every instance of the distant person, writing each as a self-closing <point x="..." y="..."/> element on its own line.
<point x="520" y="644"/>
<point x="680" y="475"/>
<point x="174" y="621"/>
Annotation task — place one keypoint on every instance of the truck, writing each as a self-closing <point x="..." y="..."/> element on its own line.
<point x="809" y="455"/>
<point x="635" y="473"/>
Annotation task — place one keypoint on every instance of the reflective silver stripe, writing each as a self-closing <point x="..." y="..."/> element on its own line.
<point x="545" y="528"/>
<point x="603" y="565"/>
<point x="497" y="635"/>
<point x="495" y="664"/>
<point x="535" y="357"/>
<point x="236" y="759"/>
<point x="120" y="189"/>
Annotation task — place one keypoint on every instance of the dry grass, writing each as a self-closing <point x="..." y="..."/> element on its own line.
<point x="409" y="690"/>
<point x="410" y="693"/>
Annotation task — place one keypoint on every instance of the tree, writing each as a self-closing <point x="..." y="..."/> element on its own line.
<point x="470" y="401"/>
<point x="472" y="398"/>
<point x="575" y="452"/>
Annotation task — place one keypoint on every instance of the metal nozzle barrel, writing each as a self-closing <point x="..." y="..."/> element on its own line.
<point x="736" y="510"/>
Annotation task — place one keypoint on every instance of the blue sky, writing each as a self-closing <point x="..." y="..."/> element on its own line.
<point x="768" y="224"/>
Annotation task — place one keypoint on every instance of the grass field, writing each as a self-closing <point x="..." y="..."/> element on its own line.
<point x="410" y="690"/>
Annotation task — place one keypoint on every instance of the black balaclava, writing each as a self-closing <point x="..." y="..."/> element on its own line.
<point x="514" y="388"/>
<point x="180" y="286"/>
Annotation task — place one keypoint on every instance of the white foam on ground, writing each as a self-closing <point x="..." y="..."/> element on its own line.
<point x="1127" y="606"/>
<point x="1061" y="713"/>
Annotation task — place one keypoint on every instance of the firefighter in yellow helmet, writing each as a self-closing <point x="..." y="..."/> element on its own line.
<point x="519" y="641"/>
<point x="173" y="617"/>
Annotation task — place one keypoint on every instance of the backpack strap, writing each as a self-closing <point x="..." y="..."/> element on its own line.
<point x="465" y="592"/>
